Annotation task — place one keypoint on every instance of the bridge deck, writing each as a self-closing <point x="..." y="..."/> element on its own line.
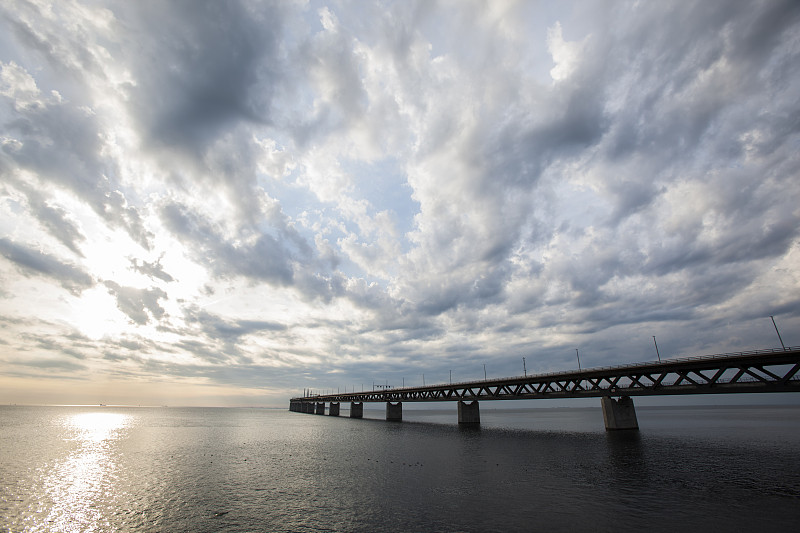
<point x="742" y="372"/>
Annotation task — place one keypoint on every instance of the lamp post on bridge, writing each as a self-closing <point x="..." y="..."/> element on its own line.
<point x="579" y="359"/>
<point x="778" y="332"/>
<point x="524" y="368"/>
<point x="484" y="372"/>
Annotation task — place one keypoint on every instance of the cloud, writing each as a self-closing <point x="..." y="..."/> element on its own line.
<point x="56" y="220"/>
<point x="151" y="270"/>
<point x="262" y="257"/>
<point x="216" y="327"/>
<point x="30" y="262"/>
<point x="203" y="67"/>
<point x="375" y="189"/>
<point x="141" y="305"/>
<point x="59" y="143"/>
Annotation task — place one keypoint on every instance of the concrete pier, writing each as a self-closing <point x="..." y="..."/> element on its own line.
<point x="307" y="407"/>
<point x="320" y="408"/>
<point x="619" y="414"/>
<point x="469" y="413"/>
<point x="394" y="411"/>
<point x="333" y="410"/>
<point x="356" y="409"/>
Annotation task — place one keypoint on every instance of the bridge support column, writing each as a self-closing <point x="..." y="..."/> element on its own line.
<point x="356" y="409"/>
<point x="320" y="408"/>
<point x="469" y="413"/>
<point x="394" y="411"/>
<point x="334" y="409"/>
<point x="309" y="408"/>
<point x="619" y="414"/>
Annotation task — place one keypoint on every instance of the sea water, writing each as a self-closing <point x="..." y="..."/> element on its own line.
<point x="67" y="469"/>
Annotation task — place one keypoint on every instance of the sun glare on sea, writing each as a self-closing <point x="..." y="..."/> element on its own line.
<point x="83" y="486"/>
<point x="97" y="427"/>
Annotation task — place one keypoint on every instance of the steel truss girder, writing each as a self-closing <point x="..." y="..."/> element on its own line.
<point x="761" y="371"/>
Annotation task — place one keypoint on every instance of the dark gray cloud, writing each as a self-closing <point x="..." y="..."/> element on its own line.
<point x="229" y="331"/>
<point x="64" y="345"/>
<point x="274" y="253"/>
<point x="140" y="305"/>
<point x="266" y="258"/>
<point x="201" y="67"/>
<point x="56" y="220"/>
<point x="151" y="270"/>
<point x="207" y="75"/>
<point x="30" y="262"/>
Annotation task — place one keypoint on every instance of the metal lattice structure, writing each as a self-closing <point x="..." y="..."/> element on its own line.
<point x="743" y="372"/>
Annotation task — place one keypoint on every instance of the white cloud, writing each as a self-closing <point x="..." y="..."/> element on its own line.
<point x="566" y="54"/>
<point x="19" y="86"/>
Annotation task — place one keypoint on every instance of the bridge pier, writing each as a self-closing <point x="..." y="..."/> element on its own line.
<point x="334" y="409"/>
<point x="469" y="413"/>
<point x="356" y="409"/>
<point x="394" y="411"/>
<point x="320" y="408"/>
<point x="619" y="414"/>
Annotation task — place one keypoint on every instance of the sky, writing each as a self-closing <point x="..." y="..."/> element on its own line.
<point x="228" y="203"/>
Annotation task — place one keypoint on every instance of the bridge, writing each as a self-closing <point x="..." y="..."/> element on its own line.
<point x="759" y="371"/>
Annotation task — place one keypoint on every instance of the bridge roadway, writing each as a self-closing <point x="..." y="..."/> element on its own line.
<point x="772" y="370"/>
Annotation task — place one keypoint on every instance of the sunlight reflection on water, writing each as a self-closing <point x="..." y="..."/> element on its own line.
<point x="80" y="486"/>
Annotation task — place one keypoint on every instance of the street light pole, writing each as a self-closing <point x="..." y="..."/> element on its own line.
<point x="778" y="332"/>
<point x="484" y="371"/>
<point x="579" y="358"/>
<point x="524" y="368"/>
<point x="657" y="354"/>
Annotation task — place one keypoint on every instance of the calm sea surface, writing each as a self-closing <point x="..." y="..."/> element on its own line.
<point x="169" y="469"/>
